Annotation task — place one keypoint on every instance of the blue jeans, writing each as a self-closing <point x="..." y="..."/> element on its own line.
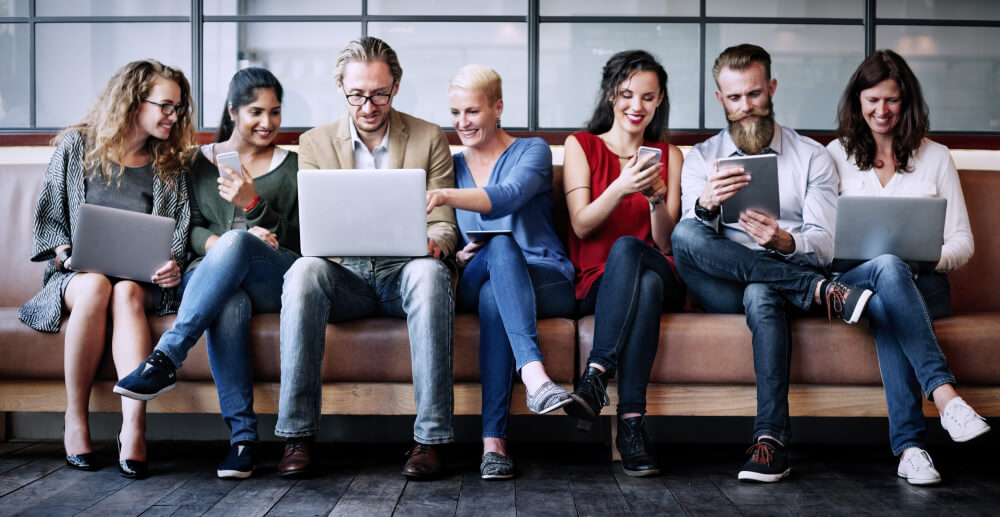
<point x="508" y="328"/>
<point x="239" y="276"/>
<point x="317" y="291"/>
<point x="728" y="277"/>
<point x="909" y="356"/>
<point x="637" y="286"/>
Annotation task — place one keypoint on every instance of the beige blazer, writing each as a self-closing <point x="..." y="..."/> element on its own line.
<point x="413" y="144"/>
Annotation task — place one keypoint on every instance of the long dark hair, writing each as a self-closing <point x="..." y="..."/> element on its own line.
<point x="914" y="121"/>
<point x="616" y="71"/>
<point x="242" y="91"/>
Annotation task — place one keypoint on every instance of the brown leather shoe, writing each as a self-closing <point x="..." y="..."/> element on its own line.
<point x="423" y="462"/>
<point x="297" y="458"/>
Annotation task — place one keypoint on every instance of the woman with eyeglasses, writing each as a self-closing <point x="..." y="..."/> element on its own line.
<point x="505" y="183"/>
<point x="623" y="205"/>
<point x="244" y="236"/>
<point x="882" y="149"/>
<point x="128" y="152"/>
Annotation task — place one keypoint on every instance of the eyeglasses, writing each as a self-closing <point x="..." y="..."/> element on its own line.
<point x="379" y="99"/>
<point x="168" y="109"/>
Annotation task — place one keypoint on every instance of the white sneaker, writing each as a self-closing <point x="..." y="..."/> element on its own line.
<point x="916" y="466"/>
<point x="962" y="422"/>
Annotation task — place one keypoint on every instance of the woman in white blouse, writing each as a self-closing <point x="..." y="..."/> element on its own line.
<point x="882" y="150"/>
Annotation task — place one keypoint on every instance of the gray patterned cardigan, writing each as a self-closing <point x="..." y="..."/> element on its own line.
<point x="55" y="222"/>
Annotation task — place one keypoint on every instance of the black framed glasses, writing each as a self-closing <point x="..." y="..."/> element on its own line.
<point x="379" y="99"/>
<point x="168" y="109"/>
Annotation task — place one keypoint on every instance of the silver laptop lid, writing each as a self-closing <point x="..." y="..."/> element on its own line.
<point x="363" y="212"/>
<point x="912" y="228"/>
<point x="121" y="243"/>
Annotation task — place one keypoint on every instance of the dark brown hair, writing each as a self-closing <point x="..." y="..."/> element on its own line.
<point x="616" y="71"/>
<point x="914" y="121"/>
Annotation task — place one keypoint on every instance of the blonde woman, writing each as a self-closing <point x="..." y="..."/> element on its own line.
<point x="128" y="153"/>
<point x="505" y="183"/>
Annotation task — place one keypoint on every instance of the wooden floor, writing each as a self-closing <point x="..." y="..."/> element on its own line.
<point x="552" y="481"/>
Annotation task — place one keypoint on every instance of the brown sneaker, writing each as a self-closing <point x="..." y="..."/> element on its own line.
<point x="297" y="458"/>
<point x="423" y="462"/>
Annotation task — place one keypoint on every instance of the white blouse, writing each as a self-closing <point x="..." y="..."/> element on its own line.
<point x="934" y="175"/>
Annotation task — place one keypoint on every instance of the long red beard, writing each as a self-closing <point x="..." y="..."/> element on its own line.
<point x="754" y="136"/>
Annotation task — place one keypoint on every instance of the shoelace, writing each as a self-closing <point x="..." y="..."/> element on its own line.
<point x="419" y="449"/>
<point x="836" y="296"/>
<point x="915" y="464"/>
<point x="594" y="385"/>
<point x="962" y="414"/>
<point x="761" y="453"/>
<point x="294" y="446"/>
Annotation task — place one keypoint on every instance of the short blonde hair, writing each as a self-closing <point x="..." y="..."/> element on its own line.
<point x="479" y="78"/>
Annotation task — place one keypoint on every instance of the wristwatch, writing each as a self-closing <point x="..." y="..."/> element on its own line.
<point x="652" y="204"/>
<point x="703" y="213"/>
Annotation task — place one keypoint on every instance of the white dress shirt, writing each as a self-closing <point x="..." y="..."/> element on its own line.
<point x="807" y="189"/>
<point x="933" y="175"/>
<point x="377" y="158"/>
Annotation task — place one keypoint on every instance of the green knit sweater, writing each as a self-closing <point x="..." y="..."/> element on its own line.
<point x="277" y="210"/>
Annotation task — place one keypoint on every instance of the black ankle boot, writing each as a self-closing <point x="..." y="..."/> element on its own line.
<point x="590" y="397"/>
<point x="633" y="444"/>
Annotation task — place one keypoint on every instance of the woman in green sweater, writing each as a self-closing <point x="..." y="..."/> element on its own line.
<point x="244" y="236"/>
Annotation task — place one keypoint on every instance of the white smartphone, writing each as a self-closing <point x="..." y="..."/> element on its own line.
<point x="231" y="160"/>
<point x="644" y="152"/>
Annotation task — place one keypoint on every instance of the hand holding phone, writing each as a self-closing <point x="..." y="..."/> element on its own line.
<point x="231" y="160"/>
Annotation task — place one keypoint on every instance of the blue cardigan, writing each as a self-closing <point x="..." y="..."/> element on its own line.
<point x="520" y="190"/>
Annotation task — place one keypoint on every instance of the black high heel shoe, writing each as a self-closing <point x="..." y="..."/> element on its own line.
<point x="132" y="469"/>
<point x="86" y="461"/>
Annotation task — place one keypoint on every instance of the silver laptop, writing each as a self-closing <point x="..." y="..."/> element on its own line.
<point x="363" y="212"/>
<point x="911" y="228"/>
<point x="121" y="243"/>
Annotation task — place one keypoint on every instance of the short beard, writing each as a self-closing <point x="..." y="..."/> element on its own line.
<point x="752" y="138"/>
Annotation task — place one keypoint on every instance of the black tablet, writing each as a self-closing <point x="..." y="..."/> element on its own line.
<point x="762" y="192"/>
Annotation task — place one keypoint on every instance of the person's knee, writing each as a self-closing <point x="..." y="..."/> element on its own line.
<point x="625" y="248"/>
<point x="892" y="269"/>
<point x="304" y="273"/>
<point x="757" y="297"/>
<point x="94" y="288"/>
<point x="235" y="242"/>
<point x="685" y="233"/>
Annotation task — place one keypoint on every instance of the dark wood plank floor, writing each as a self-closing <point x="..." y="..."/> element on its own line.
<point x="553" y="480"/>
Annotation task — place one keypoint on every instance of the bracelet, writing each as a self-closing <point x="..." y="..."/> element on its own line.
<point x="252" y="204"/>
<point x="652" y="204"/>
<point x="575" y="188"/>
<point x="63" y="256"/>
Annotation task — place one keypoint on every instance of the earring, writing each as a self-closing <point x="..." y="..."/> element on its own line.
<point x="498" y="122"/>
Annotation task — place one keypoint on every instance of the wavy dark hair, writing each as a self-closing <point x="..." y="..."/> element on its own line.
<point x="914" y="121"/>
<point x="617" y="70"/>
<point x="242" y="91"/>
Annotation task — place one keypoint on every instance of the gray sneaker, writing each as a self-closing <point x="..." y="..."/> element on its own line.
<point x="496" y="466"/>
<point x="548" y="397"/>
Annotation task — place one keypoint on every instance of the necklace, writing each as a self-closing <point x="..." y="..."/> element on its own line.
<point x="608" y="147"/>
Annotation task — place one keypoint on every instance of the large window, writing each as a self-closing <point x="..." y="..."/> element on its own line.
<point x="56" y="54"/>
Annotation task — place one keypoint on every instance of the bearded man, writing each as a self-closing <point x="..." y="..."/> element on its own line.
<point x="764" y="267"/>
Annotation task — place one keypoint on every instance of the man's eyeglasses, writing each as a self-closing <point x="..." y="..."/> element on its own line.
<point x="168" y="109"/>
<point x="379" y="99"/>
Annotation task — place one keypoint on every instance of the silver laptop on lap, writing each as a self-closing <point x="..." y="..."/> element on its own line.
<point x="911" y="228"/>
<point x="363" y="212"/>
<point x="121" y="243"/>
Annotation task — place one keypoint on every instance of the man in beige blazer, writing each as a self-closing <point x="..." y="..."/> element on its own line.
<point x="316" y="290"/>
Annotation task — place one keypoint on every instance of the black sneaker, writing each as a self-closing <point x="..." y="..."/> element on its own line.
<point x="768" y="462"/>
<point x="240" y="461"/>
<point x="154" y="376"/>
<point x="589" y="397"/>
<point x="845" y="301"/>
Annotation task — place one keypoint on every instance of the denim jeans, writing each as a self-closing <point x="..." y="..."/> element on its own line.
<point x="728" y="277"/>
<point x="627" y="299"/>
<point x="508" y="327"/>
<point x="317" y="291"/>
<point x="909" y="356"/>
<point x="239" y="276"/>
